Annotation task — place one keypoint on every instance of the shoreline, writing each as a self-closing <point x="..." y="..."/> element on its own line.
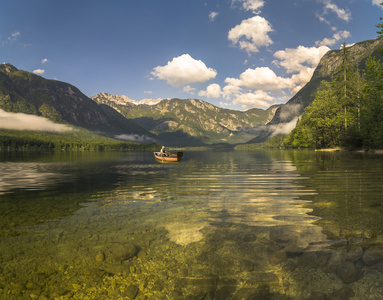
<point x="373" y="151"/>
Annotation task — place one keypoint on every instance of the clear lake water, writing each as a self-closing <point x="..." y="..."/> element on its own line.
<point x="217" y="225"/>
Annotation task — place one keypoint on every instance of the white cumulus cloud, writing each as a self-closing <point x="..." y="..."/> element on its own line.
<point x="302" y="61"/>
<point x="335" y="38"/>
<point x="343" y="14"/>
<point x="15" y="34"/>
<point x="188" y="89"/>
<point x="263" y="78"/>
<point x="44" y="60"/>
<point x="251" y="5"/>
<point x="20" y="121"/>
<point x="213" y="15"/>
<point x="297" y="59"/>
<point x="212" y="91"/>
<point x="251" y="34"/>
<point x="233" y="87"/>
<point x="39" y="71"/>
<point x="251" y="100"/>
<point x="183" y="70"/>
<point x="377" y="3"/>
<point x="259" y="86"/>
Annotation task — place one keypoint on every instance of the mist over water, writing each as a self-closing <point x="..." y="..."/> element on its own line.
<point x="217" y="225"/>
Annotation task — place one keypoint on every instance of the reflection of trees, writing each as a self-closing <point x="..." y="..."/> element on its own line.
<point x="348" y="186"/>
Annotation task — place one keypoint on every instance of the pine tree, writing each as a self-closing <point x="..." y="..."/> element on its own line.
<point x="380" y="26"/>
<point x="345" y="84"/>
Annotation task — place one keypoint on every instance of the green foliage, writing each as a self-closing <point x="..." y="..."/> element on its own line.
<point x="275" y="142"/>
<point x="380" y="26"/>
<point x="80" y="140"/>
<point x="322" y="125"/>
<point x="372" y="115"/>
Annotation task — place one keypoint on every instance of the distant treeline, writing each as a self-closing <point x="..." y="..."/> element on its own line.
<point x="78" y="141"/>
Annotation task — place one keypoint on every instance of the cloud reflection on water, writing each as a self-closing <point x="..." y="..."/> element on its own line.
<point x="27" y="175"/>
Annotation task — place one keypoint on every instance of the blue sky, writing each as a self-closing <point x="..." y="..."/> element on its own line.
<point x="237" y="54"/>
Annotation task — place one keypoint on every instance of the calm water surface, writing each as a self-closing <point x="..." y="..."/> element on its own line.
<point x="217" y="225"/>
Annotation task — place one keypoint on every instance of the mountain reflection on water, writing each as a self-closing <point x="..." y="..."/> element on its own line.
<point x="218" y="225"/>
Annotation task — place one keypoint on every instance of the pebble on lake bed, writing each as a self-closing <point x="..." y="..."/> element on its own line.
<point x="100" y="256"/>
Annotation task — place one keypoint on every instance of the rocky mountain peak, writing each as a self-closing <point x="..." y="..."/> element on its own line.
<point x="123" y="100"/>
<point x="7" y="68"/>
<point x="357" y="53"/>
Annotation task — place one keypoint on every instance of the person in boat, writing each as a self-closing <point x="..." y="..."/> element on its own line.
<point x="163" y="152"/>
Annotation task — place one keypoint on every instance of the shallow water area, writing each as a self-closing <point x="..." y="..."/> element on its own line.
<point x="217" y="225"/>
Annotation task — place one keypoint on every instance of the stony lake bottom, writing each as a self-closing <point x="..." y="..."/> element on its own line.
<point x="217" y="225"/>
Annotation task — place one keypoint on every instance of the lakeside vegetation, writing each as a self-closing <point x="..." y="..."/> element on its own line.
<point x="80" y="140"/>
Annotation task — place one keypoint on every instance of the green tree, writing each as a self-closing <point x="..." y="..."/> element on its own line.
<point x="380" y="26"/>
<point x="372" y="112"/>
<point x="322" y="124"/>
<point x="346" y="84"/>
<point x="325" y="117"/>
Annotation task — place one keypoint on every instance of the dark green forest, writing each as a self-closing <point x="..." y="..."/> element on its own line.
<point x="80" y="140"/>
<point x="347" y="112"/>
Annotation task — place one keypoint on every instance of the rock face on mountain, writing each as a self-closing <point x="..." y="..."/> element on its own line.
<point x="191" y="121"/>
<point x="358" y="53"/>
<point x="25" y="92"/>
<point x="123" y="100"/>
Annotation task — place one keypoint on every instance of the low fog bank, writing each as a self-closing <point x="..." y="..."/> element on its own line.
<point x="283" y="128"/>
<point x="20" y="121"/>
<point x="135" y="138"/>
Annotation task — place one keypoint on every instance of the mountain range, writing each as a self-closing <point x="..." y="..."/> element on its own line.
<point x="190" y="121"/>
<point x="25" y="92"/>
<point x="175" y="122"/>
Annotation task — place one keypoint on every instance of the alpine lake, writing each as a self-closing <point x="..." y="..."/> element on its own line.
<point x="218" y="225"/>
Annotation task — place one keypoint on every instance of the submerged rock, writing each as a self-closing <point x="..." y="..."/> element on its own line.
<point x="354" y="253"/>
<point x="373" y="255"/>
<point x="248" y="237"/>
<point x="317" y="296"/>
<point x="345" y="293"/>
<point x="31" y="285"/>
<point x="348" y="272"/>
<point x="262" y="293"/>
<point x="131" y="292"/>
<point x="18" y="286"/>
<point x="121" y="252"/>
<point x="314" y="259"/>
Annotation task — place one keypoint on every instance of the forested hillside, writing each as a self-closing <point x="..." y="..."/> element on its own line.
<point x="347" y="112"/>
<point x="327" y="69"/>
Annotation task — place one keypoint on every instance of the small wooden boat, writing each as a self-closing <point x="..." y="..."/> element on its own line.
<point x="169" y="156"/>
